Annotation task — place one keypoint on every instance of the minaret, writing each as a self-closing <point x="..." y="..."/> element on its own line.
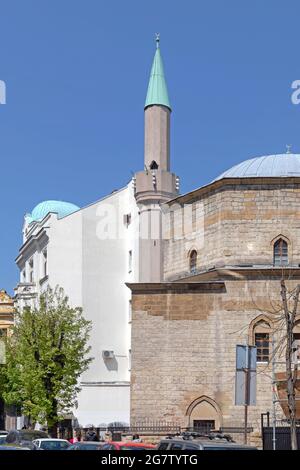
<point x="156" y="184"/>
<point x="157" y="116"/>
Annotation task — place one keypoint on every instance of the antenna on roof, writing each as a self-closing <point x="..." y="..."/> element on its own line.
<point x="157" y="39"/>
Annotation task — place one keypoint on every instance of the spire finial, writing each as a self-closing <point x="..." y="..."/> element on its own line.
<point x="288" y="148"/>
<point x="157" y="38"/>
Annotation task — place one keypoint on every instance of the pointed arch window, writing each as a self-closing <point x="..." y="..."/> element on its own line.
<point x="153" y="165"/>
<point x="193" y="262"/>
<point x="280" y="252"/>
<point x="261" y="339"/>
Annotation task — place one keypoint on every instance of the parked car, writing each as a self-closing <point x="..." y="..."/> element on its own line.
<point x="24" y="437"/>
<point x="86" y="445"/>
<point x="127" y="445"/>
<point x="11" y="447"/>
<point x="52" y="444"/>
<point x="3" y="433"/>
<point x="201" y="444"/>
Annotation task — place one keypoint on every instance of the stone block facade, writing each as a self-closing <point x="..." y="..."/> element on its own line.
<point x="241" y="220"/>
<point x="185" y="329"/>
<point x="183" y="349"/>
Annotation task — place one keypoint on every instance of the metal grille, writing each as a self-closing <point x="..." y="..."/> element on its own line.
<point x="262" y="342"/>
<point x="193" y="262"/>
<point x="280" y="253"/>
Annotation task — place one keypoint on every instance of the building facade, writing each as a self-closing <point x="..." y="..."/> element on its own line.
<point x="227" y="245"/>
<point x="203" y="271"/>
<point x="93" y="251"/>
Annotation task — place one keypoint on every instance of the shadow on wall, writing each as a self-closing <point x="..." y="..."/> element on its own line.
<point x="111" y="364"/>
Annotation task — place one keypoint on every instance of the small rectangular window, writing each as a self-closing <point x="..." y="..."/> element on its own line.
<point x="262" y="343"/>
<point x="204" y="425"/>
<point x="127" y="219"/>
<point x="130" y="261"/>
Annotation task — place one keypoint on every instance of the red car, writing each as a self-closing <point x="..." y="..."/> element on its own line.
<point x="126" y="445"/>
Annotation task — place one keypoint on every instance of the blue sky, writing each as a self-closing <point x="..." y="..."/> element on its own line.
<point x="76" y="73"/>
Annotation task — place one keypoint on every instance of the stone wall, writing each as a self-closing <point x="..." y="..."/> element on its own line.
<point x="183" y="349"/>
<point x="241" y="220"/>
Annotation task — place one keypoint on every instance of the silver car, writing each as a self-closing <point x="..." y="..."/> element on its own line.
<point x="201" y="444"/>
<point x="52" y="444"/>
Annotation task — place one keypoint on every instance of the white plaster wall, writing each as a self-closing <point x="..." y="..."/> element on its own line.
<point x="65" y="255"/>
<point x="93" y="271"/>
<point x="113" y="401"/>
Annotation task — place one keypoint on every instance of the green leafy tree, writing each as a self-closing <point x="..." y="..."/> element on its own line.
<point x="46" y="354"/>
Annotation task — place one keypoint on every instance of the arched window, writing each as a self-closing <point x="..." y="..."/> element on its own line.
<point x="193" y="262"/>
<point x="153" y="165"/>
<point x="280" y="253"/>
<point x="261" y="339"/>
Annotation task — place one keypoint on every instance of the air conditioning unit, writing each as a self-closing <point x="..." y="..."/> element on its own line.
<point x="108" y="354"/>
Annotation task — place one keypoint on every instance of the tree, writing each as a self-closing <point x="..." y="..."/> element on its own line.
<point x="284" y="316"/>
<point x="46" y="354"/>
<point x="290" y="313"/>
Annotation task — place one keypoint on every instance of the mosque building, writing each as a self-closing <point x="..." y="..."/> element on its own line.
<point x="172" y="283"/>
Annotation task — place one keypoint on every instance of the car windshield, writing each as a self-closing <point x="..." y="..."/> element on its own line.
<point x="90" y="446"/>
<point x="53" y="445"/>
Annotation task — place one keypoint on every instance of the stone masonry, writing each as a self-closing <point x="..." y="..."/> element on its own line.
<point x="185" y="329"/>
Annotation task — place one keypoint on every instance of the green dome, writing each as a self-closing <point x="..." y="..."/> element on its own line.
<point x="61" y="208"/>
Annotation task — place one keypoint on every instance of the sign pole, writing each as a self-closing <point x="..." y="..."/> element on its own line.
<point x="247" y="376"/>
<point x="245" y="380"/>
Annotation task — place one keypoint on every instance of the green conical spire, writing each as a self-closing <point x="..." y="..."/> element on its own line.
<point x="157" y="89"/>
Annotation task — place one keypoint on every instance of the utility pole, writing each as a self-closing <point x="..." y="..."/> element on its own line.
<point x="274" y="399"/>
<point x="247" y="383"/>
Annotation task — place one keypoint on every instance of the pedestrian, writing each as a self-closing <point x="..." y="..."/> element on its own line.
<point x="136" y="438"/>
<point x="91" y="434"/>
<point x="78" y="435"/>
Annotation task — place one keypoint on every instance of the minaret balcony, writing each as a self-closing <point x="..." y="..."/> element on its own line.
<point x="155" y="185"/>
